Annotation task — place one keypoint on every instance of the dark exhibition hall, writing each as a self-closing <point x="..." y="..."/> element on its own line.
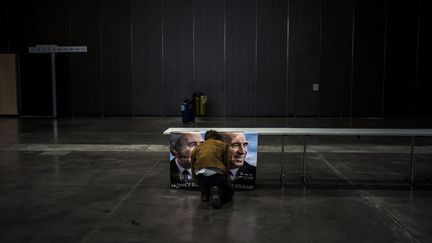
<point x="215" y="121"/>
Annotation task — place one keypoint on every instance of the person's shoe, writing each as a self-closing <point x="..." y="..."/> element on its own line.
<point x="215" y="197"/>
<point x="204" y="195"/>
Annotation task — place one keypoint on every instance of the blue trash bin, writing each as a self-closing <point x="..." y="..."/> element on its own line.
<point x="187" y="111"/>
<point x="191" y="112"/>
<point x="184" y="113"/>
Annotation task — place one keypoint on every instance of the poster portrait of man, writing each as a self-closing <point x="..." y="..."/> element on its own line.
<point x="242" y="159"/>
<point x="181" y="146"/>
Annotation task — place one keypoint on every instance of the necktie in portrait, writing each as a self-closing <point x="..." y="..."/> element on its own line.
<point x="185" y="176"/>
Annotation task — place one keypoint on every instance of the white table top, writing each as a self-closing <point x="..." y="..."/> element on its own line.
<point x="311" y="131"/>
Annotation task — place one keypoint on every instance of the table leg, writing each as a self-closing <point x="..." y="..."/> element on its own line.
<point x="304" y="177"/>
<point x="282" y="176"/>
<point x="411" y="178"/>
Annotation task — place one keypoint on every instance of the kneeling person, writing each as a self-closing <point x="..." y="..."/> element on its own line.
<point x="210" y="169"/>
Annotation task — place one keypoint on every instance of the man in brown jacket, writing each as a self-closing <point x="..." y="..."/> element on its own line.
<point x="209" y="166"/>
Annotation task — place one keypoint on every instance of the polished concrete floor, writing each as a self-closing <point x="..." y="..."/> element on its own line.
<point x="106" y="180"/>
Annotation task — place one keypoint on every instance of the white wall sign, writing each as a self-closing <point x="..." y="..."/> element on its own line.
<point x="56" y="49"/>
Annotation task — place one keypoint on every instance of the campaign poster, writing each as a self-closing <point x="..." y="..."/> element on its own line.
<point x="242" y="159"/>
<point x="181" y="146"/>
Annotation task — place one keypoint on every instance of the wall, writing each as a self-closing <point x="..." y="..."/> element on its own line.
<point x="8" y="94"/>
<point x="251" y="57"/>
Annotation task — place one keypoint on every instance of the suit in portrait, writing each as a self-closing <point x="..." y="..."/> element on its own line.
<point x="177" y="181"/>
<point x="244" y="178"/>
